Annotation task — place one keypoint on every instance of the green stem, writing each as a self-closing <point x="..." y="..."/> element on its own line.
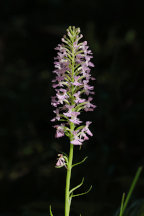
<point x="68" y="177"/>
<point x="72" y="126"/>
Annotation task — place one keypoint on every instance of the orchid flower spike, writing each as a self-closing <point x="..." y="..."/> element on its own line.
<point x="73" y="94"/>
<point x="72" y="86"/>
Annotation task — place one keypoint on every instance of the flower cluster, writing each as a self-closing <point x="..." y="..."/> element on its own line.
<point x="72" y="69"/>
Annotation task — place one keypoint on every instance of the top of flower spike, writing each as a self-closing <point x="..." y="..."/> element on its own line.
<point x="73" y="36"/>
<point x="73" y="32"/>
<point x="72" y="69"/>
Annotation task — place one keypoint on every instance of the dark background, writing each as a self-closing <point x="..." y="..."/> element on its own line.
<point x="29" y="32"/>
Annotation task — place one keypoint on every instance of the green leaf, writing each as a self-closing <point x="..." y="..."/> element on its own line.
<point x="51" y="214"/>
<point x="122" y="203"/>
<point x="77" y="66"/>
<point x="80" y="127"/>
<point x="83" y="193"/>
<point x="79" y="105"/>
<point x="77" y="186"/>
<point x="80" y="162"/>
<point x="132" y="187"/>
<point x="125" y="203"/>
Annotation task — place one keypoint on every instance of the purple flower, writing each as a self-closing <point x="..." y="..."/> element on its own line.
<point x="57" y="115"/>
<point x="61" y="95"/>
<point x="77" y="98"/>
<point x="87" y="87"/>
<point x="72" y="86"/>
<point x="59" y="130"/>
<point x="76" y="139"/>
<point x="61" y="161"/>
<point x="70" y="110"/>
<point x="74" y="118"/>
<point x="86" y="129"/>
<point x="54" y="102"/>
<point x="89" y="106"/>
<point x="76" y="83"/>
